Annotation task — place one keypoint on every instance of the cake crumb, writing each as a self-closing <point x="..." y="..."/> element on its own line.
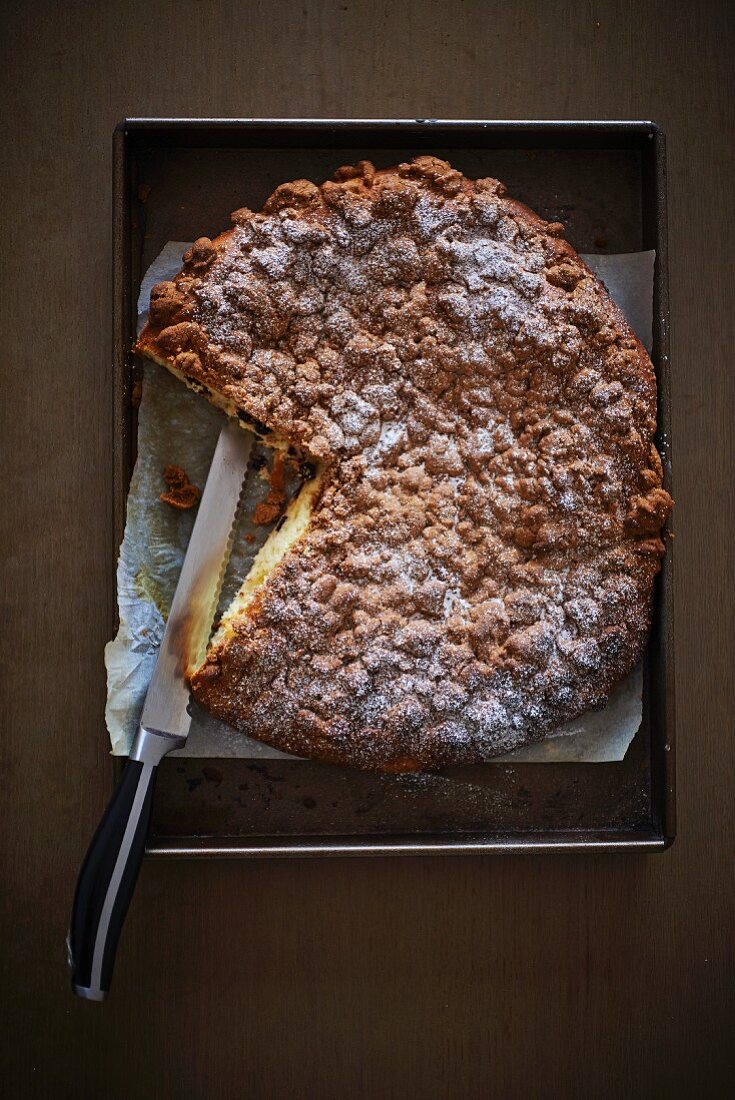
<point x="181" y="493"/>
<point x="269" y="510"/>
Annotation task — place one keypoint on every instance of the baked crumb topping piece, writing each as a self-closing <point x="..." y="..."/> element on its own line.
<point x="181" y="493"/>
<point x="473" y="561"/>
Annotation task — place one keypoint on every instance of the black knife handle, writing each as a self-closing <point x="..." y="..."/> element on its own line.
<point x="110" y="869"/>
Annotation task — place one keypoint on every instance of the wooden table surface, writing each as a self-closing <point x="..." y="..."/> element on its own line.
<point x="576" y="976"/>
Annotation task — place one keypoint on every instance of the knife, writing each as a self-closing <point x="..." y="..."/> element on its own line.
<point x="110" y="869"/>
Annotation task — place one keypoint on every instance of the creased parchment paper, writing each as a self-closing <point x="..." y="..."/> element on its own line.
<point x="177" y="426"/>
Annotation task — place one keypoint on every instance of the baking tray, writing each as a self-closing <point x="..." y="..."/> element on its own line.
<point x="176" y="179"/>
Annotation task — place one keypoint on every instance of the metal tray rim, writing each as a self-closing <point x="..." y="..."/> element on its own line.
<point x="513" y="844"/>
<point x="527" y="843"/>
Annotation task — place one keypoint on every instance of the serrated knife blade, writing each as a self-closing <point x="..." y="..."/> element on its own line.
<point x="110" y="869"/>
<point x="190" y="619"/>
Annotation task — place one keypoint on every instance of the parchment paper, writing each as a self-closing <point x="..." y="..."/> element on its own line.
<point x="177" y="426"/>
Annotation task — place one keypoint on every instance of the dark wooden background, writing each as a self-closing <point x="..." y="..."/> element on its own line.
<point x="467" y="977"/>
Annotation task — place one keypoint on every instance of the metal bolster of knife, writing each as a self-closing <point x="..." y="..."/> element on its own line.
<point x="150" y="746"/>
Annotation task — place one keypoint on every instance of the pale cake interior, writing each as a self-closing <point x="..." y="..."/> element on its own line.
<point x="281" y="539"/>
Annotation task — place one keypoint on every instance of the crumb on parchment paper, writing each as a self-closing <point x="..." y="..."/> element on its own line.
<point x="181" y="493"/>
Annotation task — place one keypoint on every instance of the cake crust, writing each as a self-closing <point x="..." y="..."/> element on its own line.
<point x="479" y="561"/>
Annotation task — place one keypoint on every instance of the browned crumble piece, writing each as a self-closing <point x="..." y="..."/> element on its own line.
<point x="181" y="493"/>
